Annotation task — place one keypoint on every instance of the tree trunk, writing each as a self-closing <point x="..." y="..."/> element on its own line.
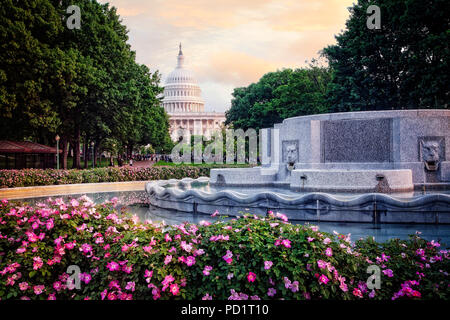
<point x="129" y="151"/>
<point x="64" y="144"/>
<point x="76" y="150"/>
<point x="85" y="152"/>
<point x="95" y="155"/>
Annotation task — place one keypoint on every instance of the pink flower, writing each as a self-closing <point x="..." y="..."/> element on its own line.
<point x="113" y="266"/>
<point x="57" y="285"/>
<point x="130" y="286"/>
<point x="49" y="224"/>
<point x="174" y="289"/>
<point x="148" y="275"/>
<point x="186" y="247"/>
<point x="85" y="277"/>
<point x="326" y="241"/>
<point x="167" y="238"/>
<point x="23" y="286"/>
<point x="228" y="257"/>
<point x="357" y="293"/>
<point x="328" y="252"/>
<point x="190" y="261"/>
<point x="37" y="264"/>
<point x="267" y="265"/>
<point x="207" y="270"/>
<point x="286" y="243"/>
<point x="251" y="277"/>
<point x="207" y="297"/>
<point x="323" y="279"/>
<point x="271" y="292"/>
<point x="294" y="286"/>
<point x="199" y="252"/>
<point x="114" y="284"/>
<point x="282" y="216"/>
<point x="38" y="289"/>
<point x="389" y="273"/>
<point x="215" y="213"/>
<point x="322" y="264"/>
<point x="310" y="239"/>
<point x="167" y="260"/>
<point x="70" y="245"/>
<point x="173" y="250"/>
<point x="85" y="248"/>
<point x="168" y="279"/>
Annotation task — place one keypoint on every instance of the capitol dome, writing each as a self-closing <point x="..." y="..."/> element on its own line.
<point x="181" y="91"/>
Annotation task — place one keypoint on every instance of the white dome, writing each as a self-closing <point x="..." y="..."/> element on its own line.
<point x="181" y="75"/>
<point x="181" y="91"/>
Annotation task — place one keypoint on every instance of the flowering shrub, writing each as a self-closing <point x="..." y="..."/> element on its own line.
<point x="246" y="258"/>
<point x="41" y="177"/>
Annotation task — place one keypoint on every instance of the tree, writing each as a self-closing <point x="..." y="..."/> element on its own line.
<point x="280" y="95"/>
<point x="83" y="84"/>
<point x="403" y="65"/>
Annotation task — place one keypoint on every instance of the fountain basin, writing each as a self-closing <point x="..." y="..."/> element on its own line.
<point x="198" y="196"/>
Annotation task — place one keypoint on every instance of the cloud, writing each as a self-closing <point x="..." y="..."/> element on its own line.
<point x="230" y="43"/>
<point x="233" y="67"/>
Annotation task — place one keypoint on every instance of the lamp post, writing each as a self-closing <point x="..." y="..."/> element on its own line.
<point x="57" y="151"/>
<point x="92" y="144"/>
<point x="112" y="154"/>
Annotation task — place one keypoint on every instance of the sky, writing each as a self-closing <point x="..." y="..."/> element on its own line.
<point x="230" y="43"/>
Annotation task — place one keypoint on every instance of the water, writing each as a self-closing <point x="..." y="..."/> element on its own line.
<point x="137" y="203"/>
<point x="286" y="192"/>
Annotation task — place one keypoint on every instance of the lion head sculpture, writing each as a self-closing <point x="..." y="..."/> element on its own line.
<point x="291" y="155"/>
<point x="430" y="151"/>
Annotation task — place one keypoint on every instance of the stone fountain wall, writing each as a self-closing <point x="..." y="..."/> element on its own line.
<point x="379" y="151"/>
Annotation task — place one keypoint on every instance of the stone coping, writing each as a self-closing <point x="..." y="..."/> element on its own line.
<point x="372" y="114"/>
<point x="64" y="189"/>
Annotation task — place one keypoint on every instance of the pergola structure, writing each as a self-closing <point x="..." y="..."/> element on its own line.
<point x="26" y="154"/>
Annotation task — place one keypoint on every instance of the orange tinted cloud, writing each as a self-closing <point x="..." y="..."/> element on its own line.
<point x="233" y="67"/>
<point x="230" y="43"/>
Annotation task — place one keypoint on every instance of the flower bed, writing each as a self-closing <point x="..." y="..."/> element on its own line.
<point x="246" y="258"/>
<point x="40" y="177"/>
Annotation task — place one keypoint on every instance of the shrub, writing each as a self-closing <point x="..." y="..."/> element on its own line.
<point x="41" y="177"/>
<point x="246" y="258"/>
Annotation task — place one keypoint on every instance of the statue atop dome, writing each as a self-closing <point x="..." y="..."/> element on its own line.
<point x="180" y="58"/>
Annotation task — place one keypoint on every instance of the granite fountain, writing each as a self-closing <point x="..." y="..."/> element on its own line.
<point x="379" y="167"/>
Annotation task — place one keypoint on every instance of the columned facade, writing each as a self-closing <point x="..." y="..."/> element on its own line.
<point x="185" y="106"/>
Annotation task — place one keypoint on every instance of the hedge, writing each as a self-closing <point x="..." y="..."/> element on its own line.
<point x="41" y="177"/>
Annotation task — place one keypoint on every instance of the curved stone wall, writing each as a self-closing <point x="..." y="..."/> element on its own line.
<point x="371" y="207"/>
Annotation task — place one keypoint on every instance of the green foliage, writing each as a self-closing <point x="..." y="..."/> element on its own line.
<point x="403" y="65"/>
<point x="40" y="177"/>
<point x="279" y="95"/>
<point x="78" y="83"/>
<point x="249" y="257"/>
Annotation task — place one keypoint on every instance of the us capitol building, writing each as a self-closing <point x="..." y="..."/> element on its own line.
<point x="186" y="109"/>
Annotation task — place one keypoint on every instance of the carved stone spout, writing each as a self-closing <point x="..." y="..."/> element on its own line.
<point x="430" y="154"/>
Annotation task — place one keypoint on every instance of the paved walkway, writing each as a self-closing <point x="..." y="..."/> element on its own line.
<point x="44" y="191"/>
<point x="142" y="164"/>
